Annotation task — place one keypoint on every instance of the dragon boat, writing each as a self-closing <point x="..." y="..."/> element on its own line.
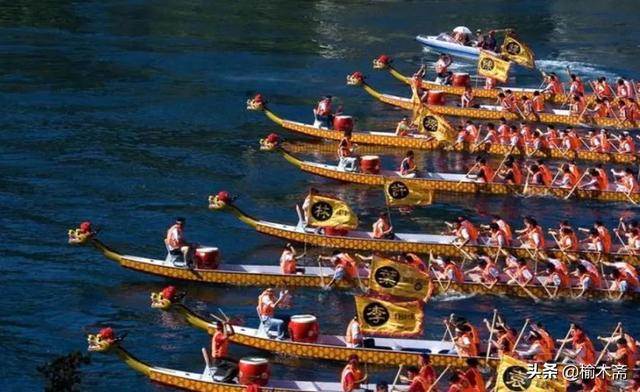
<point x="383" y="62"/>
<point x="459" y="183"/>
<point x="315" y="277"/>
<point x="105" y="342"/>
<point x="379" y="351"/>
<point x="422" y="142"/>
<point x="444" y="245"/>
<point x="492" y="112"/>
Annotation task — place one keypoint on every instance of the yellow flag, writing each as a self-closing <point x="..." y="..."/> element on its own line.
<point x="385" y="318"/>
<point x="434" y="125"/>
<point x="399" y="279"/>
<point x="517" y="51"/>
<point x="400" y="193"/>
<point x="493" y="67"/>
<point x="327" y="211"/>
<point x="513" y="376"/>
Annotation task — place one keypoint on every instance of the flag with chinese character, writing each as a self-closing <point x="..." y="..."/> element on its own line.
<point x="493" y="67"/>
<point x="384" y="318"/>
<point x="516" y="51"/>
<point x="400" y="193"/>
<point x="398" y="279"/>
<point x="516" y="375"/>
<point x="434" y="125"/>
<point x="327" y="211"/>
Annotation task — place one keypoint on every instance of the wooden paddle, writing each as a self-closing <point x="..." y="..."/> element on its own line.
<point x="446" y="324"/>
<point x="469" y="172"/>
<point x="493" y="324"/>
<point x="435" y="383"/>
<point x="395" y="380"/>
<point x="564" y="341"/>
<point x="606" y="346"/>
<point x="502" y="163"/>
<point x="524" y="327"/>
<point x="524" y="287"/>
<point x="576" y="185"/>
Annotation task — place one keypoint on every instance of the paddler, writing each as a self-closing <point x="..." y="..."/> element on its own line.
<point x="323" y="112"/>
<point x="547" y="339"/>
<point x="535" y="175"/>
<point x="498" y="236"/>
<point x="554" y="85"/>
<point x="346" y="146"/>
<point x="582" y="352"/>
<point x="626" y="144"/>
<point x="220" y="344"/>
<point x="602" y="88"/>
<point x="623" y="355"/>
<point x="447" y="269"/>
<point x="568" y="179"/>
<point x="414" y="260"/>
<point x="417" y="383"/>
<point x="492" y="136"/>
<point x="504" y="131"/>
<point x="538" y="350"/>
<point x="577" y="106"/>
<point x="442" y="68"/>
<point x="486" y="271"/>
<point x="288" y="259"/>
<point x="353" y="336"/>
<point x="556" y="277"/>
<point x="626" y="276"/>
<point x="503" y="225"/>
<point x="546" y="173"/>
<point x="474" y="376"/>
<point x="538" y="102"/>
<point x="267" y="303"/>
<point x="463" y="341"/>
<point x="604" y="235"/>
<point x="352" y="375"/>
<point x="523" y="274"/>
<point x="404" y="127"/>
<point x="528" y="108"/>
<point x="179" y="250"/>
<point x="625" y="180"/>
<point x="506" y="104"/>
<point x="594" y="242"/>
<point x="408" y="167"/>
<point x="465" y="231"/>
<point x="600" y="110"/>
<point x="345" y="267"/>
<point x="466" y="99"/>
<point x="458" y="383"/>
<point x="511" y="173"/>
<point x="484" y="172"/>
<point x="531" y="236"/>
<point x="624" y="89"/>
<point x="576" y="87"/>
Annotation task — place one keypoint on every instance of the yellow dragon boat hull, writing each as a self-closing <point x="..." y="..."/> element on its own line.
<point x="454" y="183"/>
<point x="422" y="143"/>
<point x="493" y="113"/>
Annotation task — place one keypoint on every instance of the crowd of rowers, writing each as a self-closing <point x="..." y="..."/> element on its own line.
<point x="620" y="103"/>
<point x="576" y="348"/>
<point x="568" y="175"/>
<point x="554" y="275"/>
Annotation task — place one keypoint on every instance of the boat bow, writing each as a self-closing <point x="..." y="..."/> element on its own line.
<point x="106" y="342"/>
<point x="80" y="236"/>
<point x="258" y="104"/>
<point x="223" y="202"/>
<point x="383" y="62"/>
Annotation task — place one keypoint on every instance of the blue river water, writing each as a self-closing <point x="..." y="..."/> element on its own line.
<point x="130" y="113"/>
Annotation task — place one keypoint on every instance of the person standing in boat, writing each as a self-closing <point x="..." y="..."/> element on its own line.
<point x="323" y="113"/>
<point x="220" y="351"/>
<point x="404" y="127"/>
<point x="382" y="228"/>
<point x="267" y="303"/>
<point x="466" y="100"/>
<point x="289" y="258"/>
<point x="345" y="267"/>
<point x="306" y="205"/>
<point x="353" y="337"/>
<point x="442" y="69"/>
<point x="180" y="252"/>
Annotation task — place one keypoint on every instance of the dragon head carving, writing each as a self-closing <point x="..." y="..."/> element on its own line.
<point x="381" y="62"/>
<point x="165" y="298"/>
<point x="256" y="103"/>
<point x="81" y="234"/>
<point x="102" y="341"/>
<point x="355" y="79"/>
<point x="219" y="201"/>
<point x="270" y="143"/>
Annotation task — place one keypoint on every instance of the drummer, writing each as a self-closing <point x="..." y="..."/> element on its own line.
<point x="220" y="343"/>
<point x="179" y="251"/>
<point x="408" y="167"/>
<point x="267" y="303"/>
<point x="352" y="375"/>
<point x="289" y="258"/>
<point x="404" y="127"/>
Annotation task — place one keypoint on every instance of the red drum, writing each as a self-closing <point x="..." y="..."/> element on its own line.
<point x="253" y="370"/>
<point x="370" y="164"/>
<point x="436" y="97"/>
<point x="343" y="123"/>
<point x="461" y="79"/>
<point x="332" y="231"/>
<point x="304" y="328"/>
<point x="207" y="258"/>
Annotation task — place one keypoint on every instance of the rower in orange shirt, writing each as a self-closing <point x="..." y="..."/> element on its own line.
<point x="576" y="87"/>
<point x="595" y="182"/>
<point x="582" y="352"/>
<point x="625" y="180"/>
<point x="523" y="275"/>
<point x="626" y="144"/>
<point x="474" y="376"/>
<point x="600" y="110"/>
<point x="602" y="88"/>
<point x="288" y="259"/>
<point x="505" y="103"/>
<point x="602" y="174"/>
<point x="485" y="272"/>
<point x="537" y="102"/>
<point x="624" y="89"/>
<point x="352" y="375"/>
<point x="511" y="174"/>
<point x="546" y="173"/>
<point x="604" y="234"/>
<point x="532" y="235"/>
<point x="492" y="136"/>
<point x="466" y="99"/>
<point x="382" y="228"/>
<point x="417" y="383"/>
<point x="538" y="350"/>
<point x="504" y="131"/>
<point x="577" y="106"/>
<point x="484" y="173"/>
<point x="568" y="180"/>
<point x="554" y="85"/>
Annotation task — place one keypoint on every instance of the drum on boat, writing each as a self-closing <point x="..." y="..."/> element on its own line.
<point x="207" y="258"/>
<point x="253" y="370"/>
<point x="334" y="231"/>
<point x="461" y="79"/>
<point x="343" y="123"/>
<point x="436" y="97"/>
<point x="304" y="328"/>
<point x="370" y="164"/>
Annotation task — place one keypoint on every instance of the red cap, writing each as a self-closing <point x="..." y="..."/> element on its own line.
<point x="273" y="138"/>
<point x="357" y="75"/>
<point x="258" y="98"/>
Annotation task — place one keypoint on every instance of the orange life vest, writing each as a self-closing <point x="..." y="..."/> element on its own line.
<point x="589" y="356"/>
<point x="628" y="145"/>
<point x="538" y="103"/>
<point x="605" y="236"/>
<point x="288" y="262"/>
<point x="577" y="87"/>
<point x="458" y="275"/>
<point x="173" y="235"/>
<point x="544" y="355"/>
<point x="625" y="357"/>
<point x="472" y="350"/>
<point x="603" y="89"/>
<point x="219" y="347"/>
<point x="355" y="373"/>
<point x="421" y="382"/>
<point x="263" y="308"/>
<point x="348" y="337"/>
<point x="603" y="176"/>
